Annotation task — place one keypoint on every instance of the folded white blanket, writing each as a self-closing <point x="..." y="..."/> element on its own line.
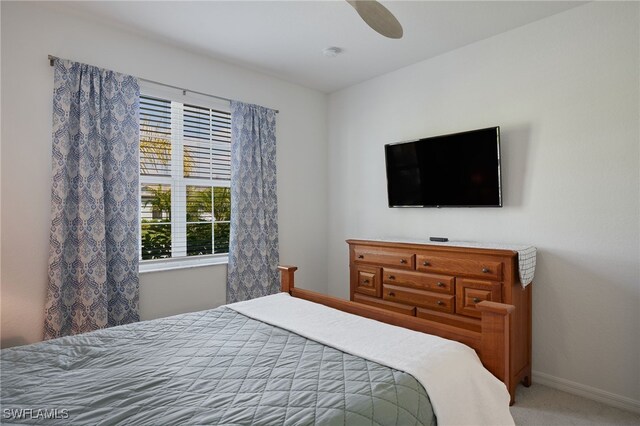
<point x="461" y="390"/>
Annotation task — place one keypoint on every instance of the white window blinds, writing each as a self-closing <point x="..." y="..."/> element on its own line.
<point x="207" y="135"/>
<point x="155" y="137"/>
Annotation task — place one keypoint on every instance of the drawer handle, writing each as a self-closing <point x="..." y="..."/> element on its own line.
<point x="425" y="263"/>
<point x="440" y="284"/>
<point x="391" y="294"/>
<point x="485" y="270"/>
<point x="392" y="277"/>
<point x="476" y="300"/>
<point x="366" y="281"/>
<point x="361" y="256"/>
<point x="403" y="260"/>
<point x="440" y="303"/>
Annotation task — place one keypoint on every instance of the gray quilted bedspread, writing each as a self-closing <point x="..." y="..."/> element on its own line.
<point x="212" y="367"/>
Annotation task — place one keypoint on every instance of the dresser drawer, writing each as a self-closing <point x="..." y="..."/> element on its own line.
<point x="419" y="280"/>
<point x="471" y="292"/>
<point x="385" y="258"/>
<point x="368" y="281"/>
<point x="485" y="269"/>
<point x="423" y="299"/>
<point x="384" y="304"/>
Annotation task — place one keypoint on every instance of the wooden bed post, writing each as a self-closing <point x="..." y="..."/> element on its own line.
<point x="494" y="343"/>
<point x="286" y="277"/>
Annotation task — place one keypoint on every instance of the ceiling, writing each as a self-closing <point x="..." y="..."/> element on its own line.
<point x="285" y="39"/>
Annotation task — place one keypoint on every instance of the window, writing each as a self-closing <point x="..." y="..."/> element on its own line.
<point x="185" y="173"/>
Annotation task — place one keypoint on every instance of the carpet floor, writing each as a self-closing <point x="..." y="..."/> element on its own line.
<point x="543" y="406"/>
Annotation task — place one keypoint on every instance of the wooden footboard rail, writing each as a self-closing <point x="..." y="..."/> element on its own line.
<point x="491" y="344"/>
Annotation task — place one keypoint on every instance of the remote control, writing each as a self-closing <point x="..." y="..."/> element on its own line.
<point x="439" y="239"/>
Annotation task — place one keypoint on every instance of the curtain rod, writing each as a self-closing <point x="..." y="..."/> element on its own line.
<point x="184" y="91"/>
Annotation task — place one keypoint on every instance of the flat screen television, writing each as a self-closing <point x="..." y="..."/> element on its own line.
<point x="456" y="170"/>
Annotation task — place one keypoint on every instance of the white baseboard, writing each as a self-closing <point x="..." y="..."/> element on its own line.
<point x="588" y="392"/>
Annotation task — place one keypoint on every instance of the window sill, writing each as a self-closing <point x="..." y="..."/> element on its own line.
<point x="147" y="266"/>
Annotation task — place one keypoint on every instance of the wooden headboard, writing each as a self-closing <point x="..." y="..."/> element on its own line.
<point x="491" y="343"/>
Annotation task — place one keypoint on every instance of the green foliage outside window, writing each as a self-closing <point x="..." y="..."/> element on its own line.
<point x="156" y="240"/>
<point x="208" y="210"/>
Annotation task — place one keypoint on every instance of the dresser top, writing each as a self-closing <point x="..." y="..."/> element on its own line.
<point x="450" y="243"/>
<point x="526" y="253"/>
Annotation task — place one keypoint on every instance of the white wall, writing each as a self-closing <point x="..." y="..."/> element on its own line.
<point x="30" y="31"/>
<point x="182" y="290"/>
<point x="565" y="92"/>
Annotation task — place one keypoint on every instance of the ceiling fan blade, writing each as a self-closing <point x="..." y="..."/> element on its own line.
<point x="378" y="17"/>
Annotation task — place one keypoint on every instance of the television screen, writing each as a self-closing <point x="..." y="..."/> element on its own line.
<point x="456" y="170"/>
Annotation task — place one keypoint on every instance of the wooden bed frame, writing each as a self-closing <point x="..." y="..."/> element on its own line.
<point x="491" y="343"/>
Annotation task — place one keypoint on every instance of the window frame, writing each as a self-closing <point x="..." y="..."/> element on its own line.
<point x="178" y="184"/>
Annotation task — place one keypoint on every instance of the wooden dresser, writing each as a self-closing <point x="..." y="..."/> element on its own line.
<point x="443" y="284"/>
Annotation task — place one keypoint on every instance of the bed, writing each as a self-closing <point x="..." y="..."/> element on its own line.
<point x="297" y="357"/>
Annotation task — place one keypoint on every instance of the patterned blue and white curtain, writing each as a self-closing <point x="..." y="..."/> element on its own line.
<point x="93" y="257"/>
<point x="253" y="242"/>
